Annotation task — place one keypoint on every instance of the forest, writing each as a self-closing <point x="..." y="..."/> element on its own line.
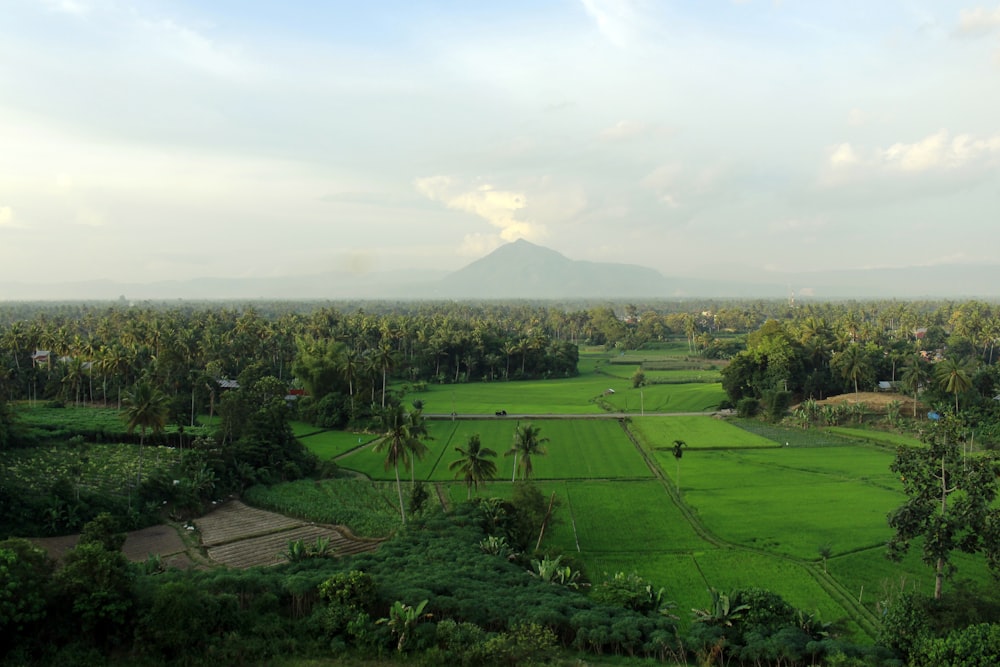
<point x="118" y="416"/>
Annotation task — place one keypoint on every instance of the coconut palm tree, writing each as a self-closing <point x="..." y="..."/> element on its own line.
<point x="953" y="377"/>
<point x="527" y="443"/>
<point x="475" y="465"/>
<point x="145" y="408"/>
<point x="853" y="364"/>
<point x="401" y="434"/>
<point x="915" y="375"/>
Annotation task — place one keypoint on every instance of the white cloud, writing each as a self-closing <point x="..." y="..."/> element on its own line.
<point x="617" y="20"/>
<point x="938" y="151"/>
<point x="624" y="129"/>
<point x="498" y="207"/>
<point x="6" y="217"/>
<point x="73" y="7"/>
<point x="842" y="155"/>
<point x="979" y="21"/>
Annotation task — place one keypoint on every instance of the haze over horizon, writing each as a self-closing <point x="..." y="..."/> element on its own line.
<point x="154" y="140"/>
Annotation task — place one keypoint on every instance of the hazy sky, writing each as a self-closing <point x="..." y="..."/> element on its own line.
<point x="151" y="140"/>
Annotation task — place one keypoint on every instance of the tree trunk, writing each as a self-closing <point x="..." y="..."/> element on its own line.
<point x="399" y="490"/>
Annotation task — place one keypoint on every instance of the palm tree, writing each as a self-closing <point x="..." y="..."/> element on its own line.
<point x="953" y="377"/>
<point x="853" y="364"/>
<point x="527" y="443"/>
<point x="678" y="451"/>
<point x="475" y="465"/>
<point x="145" y="408"/>
<point x="400" y="441"/>
<point x="915" y="375"/>
<point x="416" y="428"/>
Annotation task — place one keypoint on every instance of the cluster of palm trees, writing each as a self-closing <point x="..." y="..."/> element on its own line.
<point x="402" y="442"/>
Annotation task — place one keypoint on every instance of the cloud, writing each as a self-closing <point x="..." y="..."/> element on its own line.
<point x="498" y="207"/>
<point x="624" y="129"/>
<point x="7" y="217"/>
<point x="842" y="155"/>
<point x="73" y="7"/>
<point x="617" y="20"/>
<point x="978" y="22"/>
<point x="938" y="151"/>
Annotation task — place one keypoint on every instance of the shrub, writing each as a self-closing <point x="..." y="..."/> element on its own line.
<point x="747" y="407"/>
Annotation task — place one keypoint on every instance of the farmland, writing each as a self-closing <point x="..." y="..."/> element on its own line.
<point x="749" y="503"/>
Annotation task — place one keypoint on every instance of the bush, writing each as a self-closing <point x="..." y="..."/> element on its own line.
<point x="747" y="407"/>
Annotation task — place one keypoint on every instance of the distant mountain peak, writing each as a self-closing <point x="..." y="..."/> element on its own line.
<point x="524" y="270"/>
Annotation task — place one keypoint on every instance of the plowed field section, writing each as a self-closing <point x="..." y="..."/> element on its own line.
<point x="240" y="536"/>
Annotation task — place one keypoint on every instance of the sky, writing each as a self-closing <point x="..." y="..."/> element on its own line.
<point x="156" y="140"/>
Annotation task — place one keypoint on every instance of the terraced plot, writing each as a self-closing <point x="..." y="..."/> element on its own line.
<point x="240" y="536"/>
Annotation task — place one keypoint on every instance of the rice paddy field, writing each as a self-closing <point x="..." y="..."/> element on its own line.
<point x="748" y="503"/>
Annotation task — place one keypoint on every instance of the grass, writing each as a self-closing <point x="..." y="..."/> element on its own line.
<point x="577" y="449"/>
<point x="331" y="444"/>
<point x="696" y="432"/>
<point x="789" y="502"/>
<point x="877" y="437"/>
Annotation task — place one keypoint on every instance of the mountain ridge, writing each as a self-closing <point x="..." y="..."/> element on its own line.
<point x="524" y="270"/>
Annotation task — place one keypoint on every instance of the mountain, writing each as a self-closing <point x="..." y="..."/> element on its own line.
<point x="523" y="270"/>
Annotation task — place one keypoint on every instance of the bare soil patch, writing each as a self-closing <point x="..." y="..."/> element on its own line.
<point x="877" y="401"/>
<point x="162" y="540"/>
<point x="233" y="535"/>
<point x="240" y="536"/>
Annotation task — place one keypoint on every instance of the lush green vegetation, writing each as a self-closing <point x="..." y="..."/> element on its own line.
<point x="711" y="510"/>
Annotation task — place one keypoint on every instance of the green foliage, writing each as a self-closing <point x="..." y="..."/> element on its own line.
<point x="747" y="407"/>
<point x="630" y="592"/>
<point x="905" y="623"/>
<point x="24" y="589"/>
<point x="95" y="586"/>
<point x="105" y="531"/>
<point x="973" y="646"/>
<point x="403" y="620"/>
<point x="524" y="643"/>
<point x="638" y="378"/>
<point x="949" y="501"/>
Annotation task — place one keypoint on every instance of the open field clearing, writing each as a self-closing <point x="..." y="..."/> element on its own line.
<point x="696" y="432"/>
<point x="331" y="444"/>
<point x="577" y="449"/>
<point x="636" y="517"/>
<point x="368" y="509"/>
<point x="873" y="436"/>
<point x="240" y="536"/>
<point x="726" y="569"/>
<point x="566" y="396"/>
<point x="699" y="397"/>
<point x="871" y="576"/>
<point x="790" y="504"/>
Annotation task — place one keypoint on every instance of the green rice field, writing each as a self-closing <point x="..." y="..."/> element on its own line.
<point x="749" y="504"/>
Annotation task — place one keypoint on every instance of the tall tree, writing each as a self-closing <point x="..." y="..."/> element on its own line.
<point x="145" y="408"/>
<point x="915" y="375"/>
<point x="475" y="465"/>
<point x="949" y="501"/>
<point x="401" y="442"/>
<point x="953" y="377"/>
<point x="527" y="443"/>
<point x="852" y="363"/>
